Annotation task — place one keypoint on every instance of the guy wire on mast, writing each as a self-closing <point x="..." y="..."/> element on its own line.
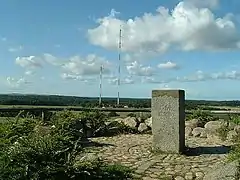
<point x="100" y="85"/>
<point x="119" y="61"/>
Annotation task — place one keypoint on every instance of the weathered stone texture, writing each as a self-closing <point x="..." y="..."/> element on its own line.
<point x="168" y="114"/>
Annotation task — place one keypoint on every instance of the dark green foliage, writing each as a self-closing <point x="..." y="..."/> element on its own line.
<point x="28" y="153"/>
<point x="235" y="119"/>
<point x="132" y="115"/>
<point x="113" y="114"/>
<point x="47" y="115"/>
<point x="235" y="153"/>
<point x="223" y="131"/>
<point x="55" y="100"/>
<point x="202" y="116"/>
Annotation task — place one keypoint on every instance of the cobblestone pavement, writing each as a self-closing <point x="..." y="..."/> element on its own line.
<point x="135" y="151"/>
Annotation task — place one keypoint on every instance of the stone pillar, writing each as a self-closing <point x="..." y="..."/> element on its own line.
<point x="168" y="120"/>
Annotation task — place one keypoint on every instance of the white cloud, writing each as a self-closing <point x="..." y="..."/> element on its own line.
<point x="126" y="80"/>
<point x="16" y="82"/>
<point x="186" y="27"/>
<point x="15" y="49"/>
<point x="89" y="65"/>
<point x="168" y="65"/>
<point x="76" y="66"/>
<point x="29" y="63"/>
<point x="88" y="80"/>
<point x="50" y="59"/>
<point x="203" y="3"/>
<point x="196" y="77"/>
<point x="70" y="77"/>
<point x="137" y="69"/>
<point x="28" y="73"/>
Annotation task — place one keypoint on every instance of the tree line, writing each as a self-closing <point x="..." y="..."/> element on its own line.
<point x="59" y="100"/>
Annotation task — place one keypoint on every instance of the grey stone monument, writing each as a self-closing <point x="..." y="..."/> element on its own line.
<point x="168" y="120"/>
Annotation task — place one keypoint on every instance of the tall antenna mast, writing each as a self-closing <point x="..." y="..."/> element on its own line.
<point x="119" y="61"/>
<point x="100" y="86"/>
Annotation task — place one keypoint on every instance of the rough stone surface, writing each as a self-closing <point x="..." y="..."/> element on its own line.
<point x="142" y="127"/>
<point x="223" y="172"/>
<point x="213" y="125"/>
<point x="231" y="135"/>
<point x="197" y="131"/>
<point x="148" y="122"/>
<point x="130" y="121"/>
<point x="203" y="134"/>
<point x="192" y="123"/>
<point x="168" y="116"/>
<point x="231" y="126"/>
<point x="134" y="151"/>
<point x="188" y="131"/>
<point x="237" y="129"/>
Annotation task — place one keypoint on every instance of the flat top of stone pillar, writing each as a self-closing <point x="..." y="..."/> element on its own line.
<point x="171" y="92"/>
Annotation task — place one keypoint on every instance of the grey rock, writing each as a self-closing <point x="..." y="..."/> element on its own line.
<point x="192" y="123"/>
<point x="148" y="122"/>
<point x="231" y="135"/>
<point x="142" y="127"/>
<point x="213" y="125"/>
<point x="203" y="133"/>
<point x="130" y="122"/>
<point x="179" y="178"/>
<point x="237" y="129"/>
<point x="197" y="131"/>
<point x="231" y="125"/>
<point x="188" y="131"/>
<point x="223" y="172"/>
<point x="119" y="120"/>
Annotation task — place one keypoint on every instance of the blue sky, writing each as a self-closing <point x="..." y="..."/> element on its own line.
<point x="57" y="47"/>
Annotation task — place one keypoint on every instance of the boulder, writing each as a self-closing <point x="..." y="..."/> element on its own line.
<point x="231" y="135"/>
<point x="192" y="123"/>
<point x="203" y="134"/>
<point x="188" y="131"/>
<point x="131" y="122"/>
<point x="213" y="126"/>
<point x="148" y="122"/>
<point x="197" y="131"/>
<point x="237" y="129"/>
<point x="142" y="127"/>
<point x="118" y="120"/>
<point x="223" y="172"/>
<point x="213" y="137"/>
<point x="231" y="125"/>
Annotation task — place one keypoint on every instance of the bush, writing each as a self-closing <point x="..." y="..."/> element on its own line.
<point x="132" y="115"/>
<point x="223" y="131"/>
<point x="29" y="154"/>
<point x="202" y="116"/>
<point x="113" y="114"/>
<point x="235" y="119"/>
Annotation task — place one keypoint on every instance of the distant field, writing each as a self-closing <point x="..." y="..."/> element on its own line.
<point x="31" y="106"/>
<point x="227" y="107"/>
<point x="123" y="112"/>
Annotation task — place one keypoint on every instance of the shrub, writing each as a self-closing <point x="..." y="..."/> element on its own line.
<point x="113" y="114"/>
<point x="223" y="131"/>
<point x="52" y="156"/>
<point x="202" y="116"/>
<point x="235" y="119"/>
<point x="132" y="115"/>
